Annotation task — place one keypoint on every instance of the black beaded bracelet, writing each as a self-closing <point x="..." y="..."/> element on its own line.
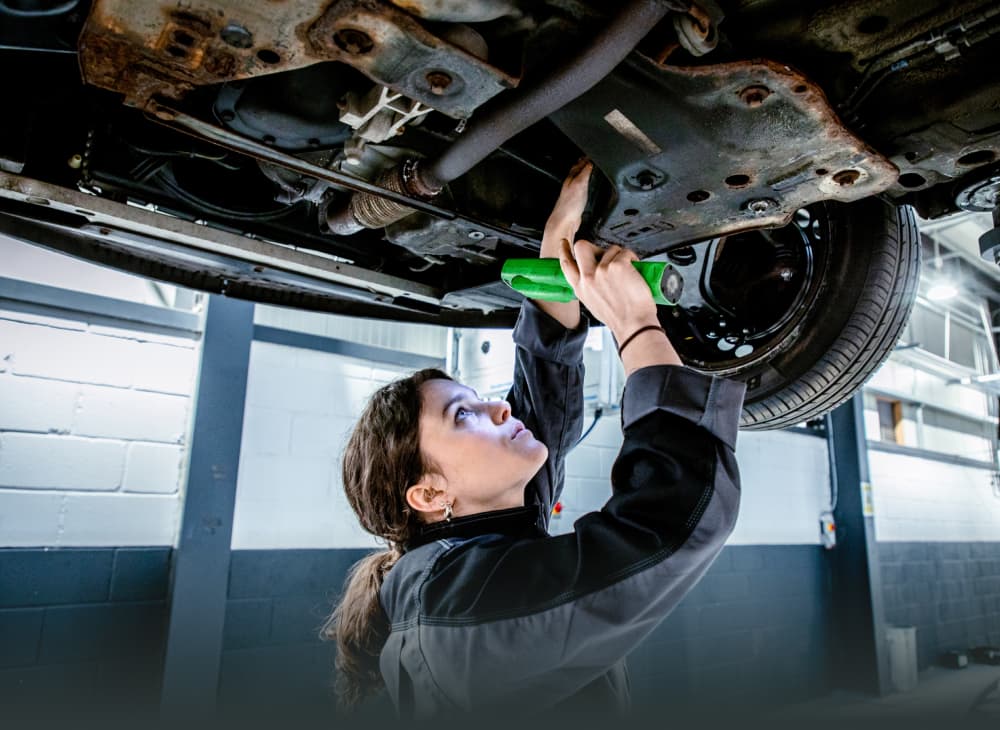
<point x="637" y="333"/>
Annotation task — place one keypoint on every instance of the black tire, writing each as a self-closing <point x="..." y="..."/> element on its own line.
<point x="851" y="325"/>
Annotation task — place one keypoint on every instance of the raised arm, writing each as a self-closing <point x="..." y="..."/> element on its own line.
<point x="562" y="225"/>
<point x="547" y="390"/>
<point x="547" y="394"/>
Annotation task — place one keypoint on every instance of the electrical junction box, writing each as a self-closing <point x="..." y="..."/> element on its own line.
<point x="827" y="531"/>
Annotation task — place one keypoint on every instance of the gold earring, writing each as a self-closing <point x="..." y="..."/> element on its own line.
<point x="447" y="512"/>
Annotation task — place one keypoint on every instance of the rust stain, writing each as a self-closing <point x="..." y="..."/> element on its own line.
<point x="181" y="47"/>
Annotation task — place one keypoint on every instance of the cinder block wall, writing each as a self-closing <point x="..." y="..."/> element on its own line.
<point x="937" y="523"/>
<point x="938" y="527"/>
<point x="94" y="433"/>
<point x="93" y="430"/>
<point x="81" y="628"/>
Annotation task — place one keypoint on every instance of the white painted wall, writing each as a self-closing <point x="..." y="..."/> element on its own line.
<point x="907" y="382"/>
<point x="919" y="500"/>
<point x="785" y="479"/>
<point x="300" y="408"/>
<point x="924" y="500"/>
<point x="94" y="432"/>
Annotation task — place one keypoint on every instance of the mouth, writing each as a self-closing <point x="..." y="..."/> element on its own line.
<point x="517" y="430"/>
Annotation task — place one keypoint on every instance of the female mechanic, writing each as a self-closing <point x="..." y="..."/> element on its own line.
<point x="475" y="607"/>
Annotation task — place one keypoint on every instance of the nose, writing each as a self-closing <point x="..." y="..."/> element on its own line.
<point x="500" y="411"/>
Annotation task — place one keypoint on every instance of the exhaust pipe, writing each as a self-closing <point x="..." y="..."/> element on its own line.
<point x="500" y="120"/>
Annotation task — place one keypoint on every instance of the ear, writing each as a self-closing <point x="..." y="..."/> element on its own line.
<point x="425" y="498"/>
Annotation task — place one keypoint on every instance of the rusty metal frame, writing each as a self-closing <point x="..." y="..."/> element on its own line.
<point x="707" y="151"/>
<point x="143" y="50"/>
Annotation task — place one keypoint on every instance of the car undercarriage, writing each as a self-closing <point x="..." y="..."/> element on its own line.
<point x="383" y="159"/>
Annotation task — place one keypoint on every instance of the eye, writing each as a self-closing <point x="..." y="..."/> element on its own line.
<point x="461" y="413"/>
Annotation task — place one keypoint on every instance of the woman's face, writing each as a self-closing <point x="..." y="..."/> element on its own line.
<point x="484" y="455"/>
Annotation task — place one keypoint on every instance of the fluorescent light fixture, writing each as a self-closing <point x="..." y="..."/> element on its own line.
<point x="942" y="291"/>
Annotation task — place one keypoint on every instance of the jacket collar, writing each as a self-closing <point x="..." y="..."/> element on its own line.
<point x="525" y="521"/>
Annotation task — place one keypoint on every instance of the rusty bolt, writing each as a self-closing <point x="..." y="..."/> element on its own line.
<point x="439" y="82"/>
<point x="754" y="96"/>
<point x="846" y="177"/>
<point x="353" y="41"/>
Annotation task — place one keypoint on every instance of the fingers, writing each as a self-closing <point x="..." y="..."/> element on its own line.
<point x="585" y="254"/>
<point x="610" y="255"/>
<point x="580" y="169"/>
<point x="568" y="265"/>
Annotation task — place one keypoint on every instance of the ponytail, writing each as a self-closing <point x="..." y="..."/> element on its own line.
<point x="360" y="628"/>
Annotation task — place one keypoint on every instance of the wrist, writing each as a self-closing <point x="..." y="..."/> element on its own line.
<point x="623" y="330"/>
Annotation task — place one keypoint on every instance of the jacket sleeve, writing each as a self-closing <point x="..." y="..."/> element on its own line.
<point x="547" y="394"/>
<point x="539" y="619"/>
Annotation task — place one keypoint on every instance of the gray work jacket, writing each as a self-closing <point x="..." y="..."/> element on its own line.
<point x="491" y="614"/>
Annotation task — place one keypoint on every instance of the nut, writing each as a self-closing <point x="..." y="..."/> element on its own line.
<point x="439" y="82"/>
<point x="846" y="177"/>
<point x="753" y="96"/>
<point x="353" y="41"/>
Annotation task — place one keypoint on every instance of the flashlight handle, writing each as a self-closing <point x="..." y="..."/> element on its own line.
<point x="543" y="279"/>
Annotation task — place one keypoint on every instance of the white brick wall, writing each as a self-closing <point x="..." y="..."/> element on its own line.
<point x="301" y="406"/>
<point x="86" y="357"/>
<point x="94" y="424"/>
<point x="33" y="461"/>
<point x="785" y="479"/>
<point x="34" y="404"/>
<point x="786" y="485"/>
<point x="917" y="500"/>
<point x="153" y="468"/>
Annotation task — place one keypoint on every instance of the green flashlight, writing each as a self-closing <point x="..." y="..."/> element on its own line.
<point x="543" y="279"/>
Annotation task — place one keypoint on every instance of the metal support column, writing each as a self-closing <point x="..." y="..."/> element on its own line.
<point x="858" y="650"/>
<point x="200" y="574"/>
